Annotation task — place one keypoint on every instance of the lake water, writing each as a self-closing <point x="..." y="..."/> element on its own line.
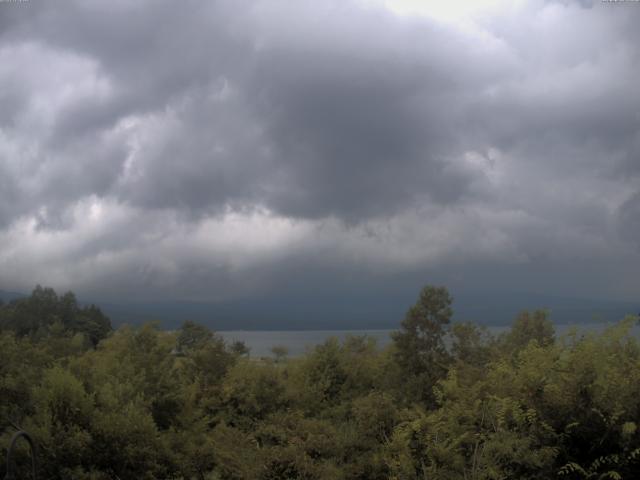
<point x="298" y="342"/>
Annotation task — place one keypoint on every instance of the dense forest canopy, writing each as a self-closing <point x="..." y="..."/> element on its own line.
<point x="44" y="312"/>
<point x="443" y="401"/>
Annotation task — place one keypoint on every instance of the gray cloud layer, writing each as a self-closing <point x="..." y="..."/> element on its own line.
<point x="213" y="149"/>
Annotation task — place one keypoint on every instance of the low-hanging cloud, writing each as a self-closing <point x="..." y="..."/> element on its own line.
<point x="206" y="149"/>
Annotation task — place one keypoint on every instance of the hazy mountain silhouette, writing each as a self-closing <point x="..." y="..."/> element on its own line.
<point x="6" y="296"/>
<point x="303" y="313"/>
<point x="336" y="311"/>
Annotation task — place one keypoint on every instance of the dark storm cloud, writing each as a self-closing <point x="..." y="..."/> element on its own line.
<point x="629" y="219"/>
<point x="149" y="52"/>
<point x="353" y="137"/>
<point x="348" y="127"/>
<point x="342" y="133"/>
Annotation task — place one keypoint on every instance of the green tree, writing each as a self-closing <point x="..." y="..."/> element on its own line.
<point x="280" y="352"/>
<point x="529" y="327"/>
<point x="93" y="323"/>
<point x="192" y="336"/>
<point x="419" y="345"/>
<point x="35" y="316"/>
<point x="239" y="349"/>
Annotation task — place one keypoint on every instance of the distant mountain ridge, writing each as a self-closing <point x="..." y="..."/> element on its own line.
<point x="7" y="296"/>
<point x="292" y="314"/>
<point x="345" y="312"/>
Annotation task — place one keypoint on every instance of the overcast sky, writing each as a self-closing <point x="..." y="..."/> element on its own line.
<point x="216" y="150"/>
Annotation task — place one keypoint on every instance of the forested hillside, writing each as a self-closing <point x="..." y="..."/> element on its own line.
<point x="444" y="401"/>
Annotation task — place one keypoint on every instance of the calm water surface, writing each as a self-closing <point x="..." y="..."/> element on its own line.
<point x="296" y="341"/>
<point x="300" y="341"/>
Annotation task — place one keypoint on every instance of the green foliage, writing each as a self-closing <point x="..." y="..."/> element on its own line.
<point x="280" y="352"/>
<point x="192" y="336"/>
<point x="44" y="314"/>
<point x="239" y="348"/>
<point x="441" y="402"/>
<point x="420" y="348"/>
<point x="251" y="392"/>
<point x="530" y="327"/>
